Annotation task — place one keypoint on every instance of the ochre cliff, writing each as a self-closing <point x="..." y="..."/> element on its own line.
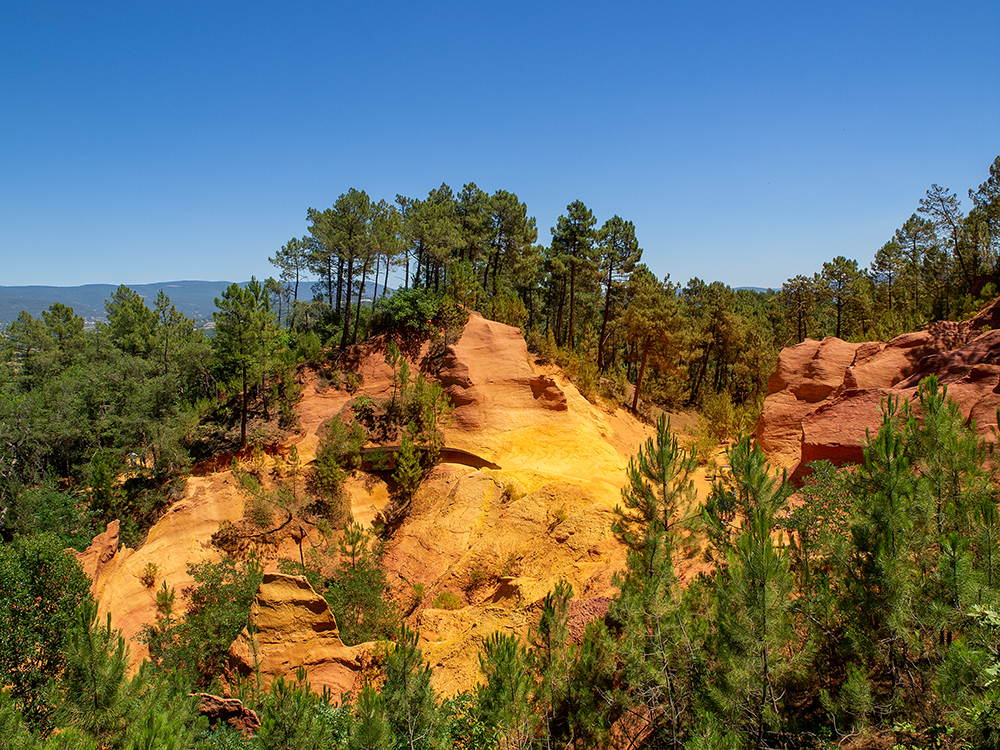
<point x="292" y="627"/>
<point x="498" y="539"/>
<point x="826" y="395"/>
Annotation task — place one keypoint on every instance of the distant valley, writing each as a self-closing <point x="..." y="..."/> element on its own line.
<point x="196" y="299"/>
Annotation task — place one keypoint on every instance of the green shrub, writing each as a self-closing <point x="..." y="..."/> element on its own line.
<point x="41" y="589"/>
<point x="338" y="454"/>
<point x="507" y="307"/>
<point x="45" y="509"/>
<point x="258" y="512"/>
<point x="542" y="345"/>
<point x="406" y="310"/>
<point x="194" y="649"/>
<point x="587" y="378"/>
<point x="309" y="346"/>
<point x="446" y="600"/>
<point x="357" y="591"/>
<point x="614" y="386"/>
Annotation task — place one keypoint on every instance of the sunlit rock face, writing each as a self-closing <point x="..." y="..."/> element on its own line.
<point x="825" y="397"/>
<point x="292" y="627"/>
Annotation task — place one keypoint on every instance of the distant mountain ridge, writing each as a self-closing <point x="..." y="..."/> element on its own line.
<point x="196" y="299"/>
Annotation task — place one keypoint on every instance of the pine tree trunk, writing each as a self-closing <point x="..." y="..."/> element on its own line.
<point x="604" y="324"/>
<point x="243" y="410"/>
<point x="638" y="379"/>
<point x="357" y="313"/>
<point x="347" y="311"/>
<point x="572" y="299"/>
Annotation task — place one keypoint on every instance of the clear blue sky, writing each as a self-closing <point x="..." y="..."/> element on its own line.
<point x="150" y="141"/>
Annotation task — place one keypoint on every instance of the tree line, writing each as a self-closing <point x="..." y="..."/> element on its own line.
<point x="941" y="264"/>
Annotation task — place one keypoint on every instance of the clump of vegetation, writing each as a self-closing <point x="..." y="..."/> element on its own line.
<point x="148" y="575"/>
<point x="407" y="313"/>
<point x="353" y="584"/>
<point x="446" y="600"/>
<point x="556" y="517"/>
<point x="338" y="454"/>
<point x="194" y="648"/>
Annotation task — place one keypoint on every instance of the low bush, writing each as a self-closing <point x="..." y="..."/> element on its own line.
<point x="406" y="310"/>
<point x="446" y="600"/>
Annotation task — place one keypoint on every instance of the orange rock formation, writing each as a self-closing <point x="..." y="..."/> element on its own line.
<point x="292" y="626"/>
<point x="498" y="539"/>
<point x="825" y="395"/>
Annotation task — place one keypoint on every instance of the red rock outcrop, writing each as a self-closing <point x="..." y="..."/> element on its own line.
<point x="293" y="627"/>
<point x="806" y="375"/>
<point x="229" y="711"/>
<point x="825" y="397"/>
<point x="102" y="550"/>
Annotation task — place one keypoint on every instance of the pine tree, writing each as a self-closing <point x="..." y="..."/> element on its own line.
<point x="573" y="240"/>
<point x="877" y="584"/>
<point x="244" y="335"/>
<point x="752" y="590"/>
<point x="407" y="476"/>
<point x="13" y="731"/>
<point x="552" y="660"/>
<point x="660" y="485"/>
<point x="414" y="718"/>
<point x="503" y="700"/>
<point x="657" y="661"/>
<point x="293" y="717"/>
<point x="370" y="729"/>
<point x="95" y="696"/>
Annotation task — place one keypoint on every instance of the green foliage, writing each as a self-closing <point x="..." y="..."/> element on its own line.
<point x="338" y="454"/>
<point x="371" y="729"/>
<point x="95" y="696"/>
<point x="407" y="476"/>
<point x="111" y="412"/>
<point x="503" y="700"/>
<point x="414" y="717"/>
<point x="357" y="590"/>
<point x="245" y="332"/>
<point x="406" y="312"/>
<point x="44" y="509"/>
<point x="656" y="662"/>
<point x="660" y="485"/>
<point x="724" y="419"/>
<point x="447" y="600"/>
<point x="16" y="734"/>
<point x="41" y="590"/>
<point x="293" y="716"/>
<point x="131" y="324"/>
<point x="194" y="649"/>
<point x="754" y="619"/>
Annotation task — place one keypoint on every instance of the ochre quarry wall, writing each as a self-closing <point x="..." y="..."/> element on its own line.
<point x="497" y="539"/>
<point x="825" y="395"/>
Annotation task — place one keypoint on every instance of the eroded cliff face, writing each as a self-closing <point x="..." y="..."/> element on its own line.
<point x="291" y="626"/>
<point x="496" y="538"/>
<point x="825" y="395"/>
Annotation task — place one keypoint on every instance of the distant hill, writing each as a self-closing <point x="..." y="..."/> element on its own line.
<point x="196" y="299"/>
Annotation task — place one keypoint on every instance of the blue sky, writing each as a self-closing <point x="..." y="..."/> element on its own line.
<point x="749" y="142"/>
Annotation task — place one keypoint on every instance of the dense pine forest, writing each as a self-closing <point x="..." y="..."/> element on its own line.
<point x="863" y="612"/>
